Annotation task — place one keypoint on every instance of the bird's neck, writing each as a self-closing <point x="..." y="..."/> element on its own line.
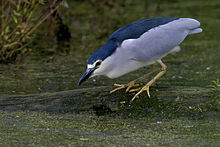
<point x="103" y="52"/>
<point x="109" y="48"/>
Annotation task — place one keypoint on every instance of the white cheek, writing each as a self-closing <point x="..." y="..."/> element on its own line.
<point x="104" y="68"/>
<point x="98" y="71"/>
<point x="90" y="66"/>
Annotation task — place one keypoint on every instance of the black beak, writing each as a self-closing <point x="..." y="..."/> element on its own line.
<point x="86" y="75"/>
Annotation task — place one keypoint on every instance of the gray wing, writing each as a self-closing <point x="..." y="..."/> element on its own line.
<point x="157" y="42"/>
<point x="136" y="29"/>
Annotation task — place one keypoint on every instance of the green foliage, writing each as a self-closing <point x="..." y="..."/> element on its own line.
<point x="19" y="20"/>
<point x="214" y="98"/>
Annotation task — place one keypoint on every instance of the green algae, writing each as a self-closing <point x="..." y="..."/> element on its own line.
<point x="182" y="117"/>
<point x="42" y="129"/>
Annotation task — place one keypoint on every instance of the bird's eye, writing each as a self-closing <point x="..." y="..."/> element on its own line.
<point x="98" y="63"/>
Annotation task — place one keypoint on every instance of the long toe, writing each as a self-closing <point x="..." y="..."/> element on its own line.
<point x="130" y="85"/>
<point x="116" y="89"/>
<point x="127" y="86"/>
<point x="136" y="89"/>
<point x="145" y="88"/>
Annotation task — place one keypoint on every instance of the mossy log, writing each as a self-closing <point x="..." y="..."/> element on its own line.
<point x="80" y="100"/>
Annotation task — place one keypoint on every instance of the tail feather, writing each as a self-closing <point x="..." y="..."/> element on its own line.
<point x="195" y="31"/>
<point x="192" y="25"/>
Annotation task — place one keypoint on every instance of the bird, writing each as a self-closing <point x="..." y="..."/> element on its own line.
<point x="141" y="43"/>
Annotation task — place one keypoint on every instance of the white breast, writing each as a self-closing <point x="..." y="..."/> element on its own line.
<point x="119" y="64"/>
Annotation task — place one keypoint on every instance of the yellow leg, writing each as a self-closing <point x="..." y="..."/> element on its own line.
<point x="133" y="83"/>
<point x="147" y="86"/>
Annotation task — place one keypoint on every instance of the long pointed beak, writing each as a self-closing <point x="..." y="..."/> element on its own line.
<point x="86" y="75"/>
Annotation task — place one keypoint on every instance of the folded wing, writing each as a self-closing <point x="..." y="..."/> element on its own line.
<point x="158" y="41"/>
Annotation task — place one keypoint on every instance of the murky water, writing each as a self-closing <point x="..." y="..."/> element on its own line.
<point x="34" y="129"/>
<point x="161" y="122"/>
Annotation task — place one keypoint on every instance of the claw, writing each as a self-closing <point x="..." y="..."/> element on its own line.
<point x="148" y="92"/>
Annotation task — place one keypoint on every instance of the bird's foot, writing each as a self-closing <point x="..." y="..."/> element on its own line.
<point x="139" y="88"/>
<point x="144" y="88"/>
<point x="127" y="86"/>
<point x="147" y="86"/>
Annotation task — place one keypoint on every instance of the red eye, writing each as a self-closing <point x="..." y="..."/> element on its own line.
<point x="98" y="63"/>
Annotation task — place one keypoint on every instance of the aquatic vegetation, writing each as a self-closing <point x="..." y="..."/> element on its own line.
<point x="183" y="110"/>
<point x="213" y="103"/>
<point x="19" y="20"/>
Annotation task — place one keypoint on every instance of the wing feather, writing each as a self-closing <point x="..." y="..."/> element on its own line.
<point x="157" y="42"/>
<point x="136" y="29"/>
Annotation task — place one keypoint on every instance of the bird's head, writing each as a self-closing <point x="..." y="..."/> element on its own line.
<point x="97" y="63"/>
<point x="90" y="71"/>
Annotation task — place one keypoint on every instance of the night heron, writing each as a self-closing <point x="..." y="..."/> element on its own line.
<point x="141" y="43"/>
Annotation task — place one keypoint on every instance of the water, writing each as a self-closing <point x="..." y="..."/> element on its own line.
<point x="183" y="110"/>
<point x="34" y="129"/>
